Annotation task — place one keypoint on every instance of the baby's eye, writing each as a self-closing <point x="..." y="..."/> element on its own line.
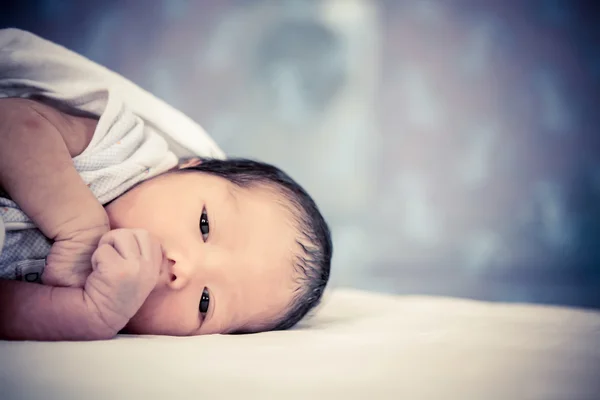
<point x="204" y="301"/>
<point x="204" y="227"/>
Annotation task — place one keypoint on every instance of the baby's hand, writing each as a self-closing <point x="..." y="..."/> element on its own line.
<point x="69" y="261"/>
<point x="126" y="267"/>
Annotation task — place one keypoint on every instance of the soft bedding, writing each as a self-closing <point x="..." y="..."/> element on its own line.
<point x="359" y="345"/>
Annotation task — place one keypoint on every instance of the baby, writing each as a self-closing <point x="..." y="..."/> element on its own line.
<point x="210" y="246"/>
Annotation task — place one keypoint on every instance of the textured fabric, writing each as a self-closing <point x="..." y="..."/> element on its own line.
<point x="1" y="234"/>
<point x="132" y="141"/>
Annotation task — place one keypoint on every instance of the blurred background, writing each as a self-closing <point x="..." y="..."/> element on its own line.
<point x="453" y="145"/>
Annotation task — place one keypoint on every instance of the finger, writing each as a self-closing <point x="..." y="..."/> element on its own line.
<point x="124" y="241"/>
<point x="144" y="242"/>
<point x="105" y="254"/>
<point x="149" y="245"/>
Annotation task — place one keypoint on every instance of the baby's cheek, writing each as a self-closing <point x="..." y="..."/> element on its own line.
<point x="162" y="314"/>
<point x="150" y="318"/>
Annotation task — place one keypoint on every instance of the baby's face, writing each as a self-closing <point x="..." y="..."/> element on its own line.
<point x="228" y="250"/>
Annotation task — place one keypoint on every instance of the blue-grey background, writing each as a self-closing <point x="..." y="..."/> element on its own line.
<point x="453" y="145"/>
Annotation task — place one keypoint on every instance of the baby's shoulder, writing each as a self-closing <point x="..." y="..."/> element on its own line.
<point x="76" y="130"/>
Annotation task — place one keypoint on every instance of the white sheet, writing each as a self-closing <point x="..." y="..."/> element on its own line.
<point x="361" y="345"/>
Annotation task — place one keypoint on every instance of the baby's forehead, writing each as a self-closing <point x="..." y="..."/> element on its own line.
<point x="262" y="213"/>
<point x="275" y="198"/>
<point x="279" y="202"/>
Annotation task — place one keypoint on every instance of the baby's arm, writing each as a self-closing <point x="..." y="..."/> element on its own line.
<point x="29" y="311"/>
<point x="37" y="143"/>
<point x="126" y="268"/>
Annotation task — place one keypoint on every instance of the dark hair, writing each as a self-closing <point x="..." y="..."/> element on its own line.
<point x="313" y="261"/>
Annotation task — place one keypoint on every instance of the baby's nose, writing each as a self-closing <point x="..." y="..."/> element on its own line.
<point x="176" y="273"/>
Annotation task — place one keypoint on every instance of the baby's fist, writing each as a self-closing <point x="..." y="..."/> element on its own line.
<point x="126" y="266"/>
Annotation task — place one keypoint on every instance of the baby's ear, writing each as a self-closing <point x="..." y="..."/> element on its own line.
<point x="189" y="162"/>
